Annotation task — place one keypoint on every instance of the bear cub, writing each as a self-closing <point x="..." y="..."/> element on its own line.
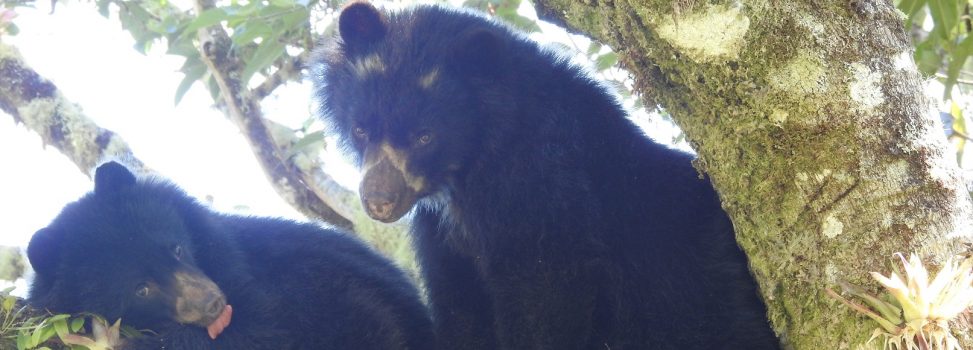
<point x="142" y="250"/>
<point x="543" y="218"/>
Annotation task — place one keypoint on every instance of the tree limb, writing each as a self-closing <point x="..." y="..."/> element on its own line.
<point x="291" y="68"/>
<point x="37" y="103"/>
<point x="809" y="118"/>
<point x="243" y="109"/>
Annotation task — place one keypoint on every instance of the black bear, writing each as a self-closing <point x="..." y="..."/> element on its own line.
<point x="143" y="251"/>
<point x="542" y="217"/>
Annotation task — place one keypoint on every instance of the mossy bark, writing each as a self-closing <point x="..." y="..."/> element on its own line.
<point x="810" y="119"/>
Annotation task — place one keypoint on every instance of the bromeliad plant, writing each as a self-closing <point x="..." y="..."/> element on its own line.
<point x="917" y="315"/>
<point x="24" y="328"/>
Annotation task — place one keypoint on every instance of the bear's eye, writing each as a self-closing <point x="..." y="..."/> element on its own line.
<point x="142" y="290"/>
<point x="360" y="132"/>
<point x="177" y="251"/>
<point x="424" y="138"/>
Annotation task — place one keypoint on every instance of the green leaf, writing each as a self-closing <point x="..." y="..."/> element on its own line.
<point x="214" y="88"/>
<point x="194" y="69"/>
<point x="606" y="61"/>
<point x="510" y="15"/>
<point x="205" y="19"/>
<point x="103" y="7"/>
<point x="911" y="7"/>
<point x="927" y="59"/>
<point x="269" y="50"/>
<point x="271" y="12"/>
<point x="243" y="12"/>
<point x="246" y="33"/>
<point x="22" y="341"/>
<point x="295" y="19"/>
<point x="959" y="125"/>
<point x="594" y="48"/>
<point x="9" y="303"/>
<point x="184" y="86"/>
<point x="11" y="29"/>
<point x="945" y="14"/>
<point x="960" y="55"/>
<point x="57" y="317"/>
<point x="76" y="324"/>
<point x="477" y="4"/>
<point x="620" y="88"/>
<point x="182" y="46"/>
<point x="958" y="59"/>
<point x="283" y="3"/>
<point x="562" y="47"/>
<point x="170" y="24"/>
<point x="305" y="142"/>
<point x="61" y="328"/>
<point x="35" y="336"/>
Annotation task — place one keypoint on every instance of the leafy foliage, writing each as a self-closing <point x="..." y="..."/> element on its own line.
<point x="27" y="329"/>
<point x="506" y="10"/>
<point x="945" y="50"/>
<point x="7" y="15"/>
<point x="262" y="32"/>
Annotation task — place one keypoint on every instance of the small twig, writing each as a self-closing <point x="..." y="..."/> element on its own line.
<point x="243" y="109"/>
<point x="289" y="69"/>
<point x="958" y="80"/>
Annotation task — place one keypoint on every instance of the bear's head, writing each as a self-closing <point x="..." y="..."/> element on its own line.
<point x="124" y="251"/>
<point x="407" y="95"/>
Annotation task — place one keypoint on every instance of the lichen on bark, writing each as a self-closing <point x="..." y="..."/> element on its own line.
<point x="813" y="128"/>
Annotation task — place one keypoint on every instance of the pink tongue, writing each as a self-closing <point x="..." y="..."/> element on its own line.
<point x="221" y="322"/>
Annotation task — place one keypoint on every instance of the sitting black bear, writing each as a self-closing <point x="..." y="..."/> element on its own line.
<point x="543" y="217"/>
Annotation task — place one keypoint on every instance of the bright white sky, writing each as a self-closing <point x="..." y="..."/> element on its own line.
<point x="92" y="61"/>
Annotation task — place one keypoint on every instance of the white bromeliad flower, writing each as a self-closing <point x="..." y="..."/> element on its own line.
<point x="917" y="318"/>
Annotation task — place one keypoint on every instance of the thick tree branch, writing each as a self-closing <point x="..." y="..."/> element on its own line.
<point x="810" y="120"/>
<point x="244" y="110"/>
<point x="37" y="103"/>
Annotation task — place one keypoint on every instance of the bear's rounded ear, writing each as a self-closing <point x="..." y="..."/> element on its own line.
<point x="361" y="24"/>
<point x="44" y="250"/>
<point x="111" y="176"/>
<point x="479" y="53"/>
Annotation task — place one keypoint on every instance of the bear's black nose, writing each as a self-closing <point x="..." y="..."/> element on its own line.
<point x="380" y="204"/>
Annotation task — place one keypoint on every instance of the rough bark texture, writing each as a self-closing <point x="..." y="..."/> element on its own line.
<point x="810" y="120"/>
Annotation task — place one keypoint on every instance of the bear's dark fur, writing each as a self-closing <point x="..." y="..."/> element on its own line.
<point x="543" y="218"/>
<point x="143" y="251"/>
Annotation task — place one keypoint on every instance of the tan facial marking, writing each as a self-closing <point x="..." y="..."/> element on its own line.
<point x="368" y="65"/>
<point x="398" y="161"/>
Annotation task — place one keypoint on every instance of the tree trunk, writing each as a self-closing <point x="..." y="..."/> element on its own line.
<point x="810" y="119"/>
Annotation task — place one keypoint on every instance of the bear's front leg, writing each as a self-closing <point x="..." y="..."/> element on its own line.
<point x="547" y="303"/>
<point x="461" y="309"/>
